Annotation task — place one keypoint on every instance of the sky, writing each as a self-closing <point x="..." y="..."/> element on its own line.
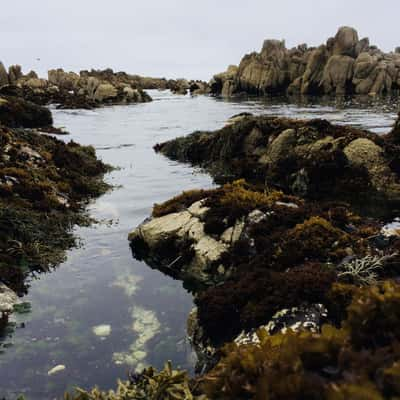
<point x="176" y="38"/>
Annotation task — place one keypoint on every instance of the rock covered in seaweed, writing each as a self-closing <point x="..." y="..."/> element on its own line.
<point x="344" y="65"/>
<point x="16" y="112"/>
<point x="314" y="159"/>
<point x="44" y="183"/>
<point x="272" y="251"/>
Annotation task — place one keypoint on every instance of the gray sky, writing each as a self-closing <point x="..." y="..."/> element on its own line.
<point x="176" y="38"/>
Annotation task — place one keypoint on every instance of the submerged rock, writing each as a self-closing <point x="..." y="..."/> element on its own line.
<point x="102" y="330"/>
<point x="56" y="370"/>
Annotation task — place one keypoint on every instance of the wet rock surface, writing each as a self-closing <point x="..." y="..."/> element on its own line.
<point x="345" y="64"/>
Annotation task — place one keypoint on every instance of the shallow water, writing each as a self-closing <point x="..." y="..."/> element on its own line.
<point x="100" y="288"/>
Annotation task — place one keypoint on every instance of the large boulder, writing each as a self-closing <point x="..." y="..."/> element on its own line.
<point x="345" y="42"/>
<point x="190" y="251"/>
<point x="338" y="74"/>
<point x="14" y="73"/>
<point x="311" y="80"/>
<point x="105" y="92"/>
<point x="64" y="80"/>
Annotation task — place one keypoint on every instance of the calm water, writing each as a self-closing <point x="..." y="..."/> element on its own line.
<point x="141" y="312"/>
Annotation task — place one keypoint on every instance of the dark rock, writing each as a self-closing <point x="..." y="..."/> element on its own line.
<point x="15" y="112"/>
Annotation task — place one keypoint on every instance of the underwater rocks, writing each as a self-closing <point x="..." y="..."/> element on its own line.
<point x="44" y="184"/>
<point x="145" y="326"/>
<point x="312" y="159"/>
<point x="344" y="65"/>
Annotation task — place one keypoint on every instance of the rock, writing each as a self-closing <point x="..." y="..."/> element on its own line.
<point x="8" y="298"/>
<point x="185" y="234"/>
<point x="198" y="209"/>
<point x="344" y="65"/>
<point x="392" y="229"/>
<point x="63" y="80"/>
<point x="36" y="83"/>
<point x="102" y="330"/>
<point x="311" y="80"/>
<point x="15" y="112"/>
<point x="338" y="74"/>
<point x="3" y="75"/>
<point x="303" y="318"/>
<point x="14" y="74"/>
<point x="345" y="42"/>
<point x="163" y="228"/>
<point x="57" y="369"/>
<point x="105" y="92"/>
<point x="314" y="159"/>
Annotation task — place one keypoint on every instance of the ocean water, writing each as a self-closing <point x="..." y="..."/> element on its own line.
<point x="101" y="313"/>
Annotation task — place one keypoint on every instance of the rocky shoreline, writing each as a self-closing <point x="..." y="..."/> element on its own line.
<point x="89" y="89"/>
<point x="343" y="65"/>
<point x="44" y="185"/>
<point x="289" y="285"/>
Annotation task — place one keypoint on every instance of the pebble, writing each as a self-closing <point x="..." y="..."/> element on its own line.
<point x="56" y="369"/>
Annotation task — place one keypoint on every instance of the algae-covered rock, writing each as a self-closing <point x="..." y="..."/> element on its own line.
<point x="44" y="183"/>
<point x="314" y="159"/>
<point x="15" y="112"/>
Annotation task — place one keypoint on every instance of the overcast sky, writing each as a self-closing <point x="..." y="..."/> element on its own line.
<point x="176" y="38"/>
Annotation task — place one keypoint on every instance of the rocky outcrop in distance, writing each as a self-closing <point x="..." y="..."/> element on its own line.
<point x="89" y="89"/>
<point x="344" y="65"/>
<point x="70" y="90"/>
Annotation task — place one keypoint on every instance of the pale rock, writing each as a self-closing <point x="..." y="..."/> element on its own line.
<point x="8" y="298"/>
<point x="102" y="330"/>
<point x="198" y="209"/>
<point x="56" y="369"/>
